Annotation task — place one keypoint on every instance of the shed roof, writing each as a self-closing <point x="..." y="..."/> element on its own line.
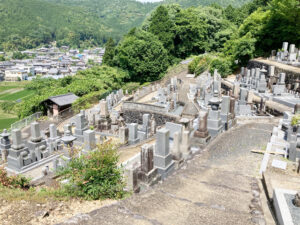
<point x="62" y="100"/>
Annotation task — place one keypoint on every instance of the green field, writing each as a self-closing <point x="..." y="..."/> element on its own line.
<point x="17" y="95"/>
<point x="5" y="88"/>
<point x="5" y="123"/>
<point x="11" y="91"/>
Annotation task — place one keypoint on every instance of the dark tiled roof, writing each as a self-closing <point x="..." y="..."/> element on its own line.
<point x="62" y="100"/>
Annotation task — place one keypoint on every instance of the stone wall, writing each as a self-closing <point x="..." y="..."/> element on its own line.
<point x="291" y="74"/>
<point x="133" y="113"/>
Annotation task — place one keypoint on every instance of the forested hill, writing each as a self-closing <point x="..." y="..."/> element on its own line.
<point x="79" y="23"/>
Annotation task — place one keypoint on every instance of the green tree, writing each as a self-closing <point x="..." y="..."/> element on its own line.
<point x="109" y="52"/>
<point x="241" y="49"/>
<point x="162" y="26"/>
<point x="190" y="31"/>
<point x="143" y="55"/>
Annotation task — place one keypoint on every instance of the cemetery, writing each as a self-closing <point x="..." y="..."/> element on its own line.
<point x="162" y="127"/>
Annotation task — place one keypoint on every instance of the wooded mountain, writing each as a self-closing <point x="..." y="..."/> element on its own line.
<point x="78" y="23"/>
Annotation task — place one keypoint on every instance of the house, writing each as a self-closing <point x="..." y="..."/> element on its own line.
<point x="15" y="75"/>
<point x="59" y="104"/>
<point x="53" y="71"/>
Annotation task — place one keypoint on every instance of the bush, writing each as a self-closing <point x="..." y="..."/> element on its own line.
<point x="13" y="181"/>
<point x="223" y="65"/>
<point x="7" y="106"/>
<point x="96" y="175"/>
<point x="131" y="86"/>
<point x="193" y="65"/>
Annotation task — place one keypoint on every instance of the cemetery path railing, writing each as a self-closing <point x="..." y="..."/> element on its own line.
<point x="26" y="121"/>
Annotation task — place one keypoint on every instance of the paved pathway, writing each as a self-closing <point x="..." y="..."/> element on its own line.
<point x="213" y="188"/>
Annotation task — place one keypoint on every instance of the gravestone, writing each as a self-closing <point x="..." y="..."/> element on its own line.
<point x="4" y="145"/>
<point x="80" y="127"/>
<point x="144" y="133"/>
<point x="243" y="108"/>
<point x="68" y="127"/>
<point x="262" y="84"/>
<point x="174" y="127"/>
<point x="162" y="156"/>
<point x="279" y="88"/>
<point x="201" y="133"/>
<point x="89" y="138"/>
<point x="214" y="122"/>
<point x="232" y="112"/>
<point x="104" y="122"/>
<point x="18" y="155"/>
<point x="176" y="146"/>
<point x="294" y="152"/>
<point x="123" y="135"/>
<point x="133" y="133"/>
<point x="37" y="145"/>
<point x="225" y="112"/>
<point x="185" y="145"/>
<point x="54" y="139"/>
<point x="147" y="173"/>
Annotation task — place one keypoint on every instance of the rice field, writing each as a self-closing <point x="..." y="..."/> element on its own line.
<point x="11" y="92"/>
<point x="19" y="95"/>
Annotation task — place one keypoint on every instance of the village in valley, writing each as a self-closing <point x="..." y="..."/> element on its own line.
<point x="188" y="119"/>
<point x="49" y="62"/>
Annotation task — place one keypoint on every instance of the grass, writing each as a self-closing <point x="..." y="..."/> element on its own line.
<point x="12" y="91"/>
<point x="5" y="123"/>
<point x="18" y="95"/>
<point x="5" y="88"/>
<point x="32" y="194"/>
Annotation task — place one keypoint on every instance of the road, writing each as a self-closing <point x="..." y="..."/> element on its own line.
<point x="212" y="188"/>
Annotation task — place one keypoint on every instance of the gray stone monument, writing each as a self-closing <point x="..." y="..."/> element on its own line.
<point x="176" y="146"/>
<point x="80" y="127"/>
<point x="243" y="108"/>
<point x="4" y="145"/>
<point x="262" y="84"/>
<point x="185" y="145"/>
<point x="279" y="88"/>
<point x="104" y="122"/>
<point x="214" y="122"/>
<point x="89" y="137"/>
<point x="123" y="135"/>
<point x="225" y="113"/>
<point x="133" y="133"/>
<point x="54" y="139"/>
<point x="18" y="155"/>
<point x="37" y="145"/>
<point x="148" y="174"/>
<point x="162" y="156"/>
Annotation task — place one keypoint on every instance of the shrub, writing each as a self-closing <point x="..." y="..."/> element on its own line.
<point x="192" y="65"/>
<point x="95" y="175"/>
<point x="203" y="65"/>
<point x="131" y="86"/>
<point x="7" y="106"/>
<point x="223" y="65"/>
<point x="13" y="181"/>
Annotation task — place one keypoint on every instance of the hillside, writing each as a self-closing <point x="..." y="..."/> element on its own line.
<point x="79" y="23"/>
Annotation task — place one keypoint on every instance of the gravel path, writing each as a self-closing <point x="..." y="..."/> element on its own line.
<point x="213" y="188"/>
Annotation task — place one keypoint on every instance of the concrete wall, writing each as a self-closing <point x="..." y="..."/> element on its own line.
<point x="133" y="113"/>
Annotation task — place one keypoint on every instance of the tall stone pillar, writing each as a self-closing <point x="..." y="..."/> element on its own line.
<point x="4" y="145"/>
<point x="176" y="146"/>
<point x="162" y="156"/>
<point x="225" y="112"/>
<point x="18" y="154"/>
<point x="133" y="133"/>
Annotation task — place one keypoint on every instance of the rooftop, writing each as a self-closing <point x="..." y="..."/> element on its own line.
<point x="62" y="100"/>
